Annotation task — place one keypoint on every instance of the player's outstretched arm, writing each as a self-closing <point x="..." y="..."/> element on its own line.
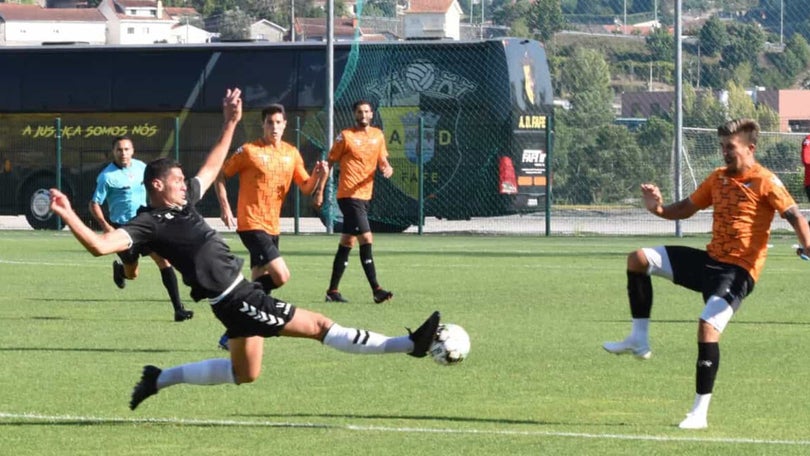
<point x="320" y="185"/>
<point x="232" y="109"/>
<point x="225" y="212"/>
<point x="794" y="216"/>
<point x="110" y="242"/>
<point x="654" y="202"/>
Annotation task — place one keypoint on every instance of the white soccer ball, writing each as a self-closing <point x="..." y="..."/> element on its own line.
<point x="450" y="345"/>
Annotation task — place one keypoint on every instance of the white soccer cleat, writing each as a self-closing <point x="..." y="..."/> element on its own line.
<point x="694" y="421"/>
<point x="640" y="350"/>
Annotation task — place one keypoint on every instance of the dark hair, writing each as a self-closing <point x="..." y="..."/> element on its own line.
<point x="120" y="138"/>
<point x="158" y="169"/>
<point x="274" y="108"/>
<point x="747" y="127"/>
<point x="359" y="103"/>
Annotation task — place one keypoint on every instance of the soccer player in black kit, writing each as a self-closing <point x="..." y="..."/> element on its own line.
<point x="171" y="227"/>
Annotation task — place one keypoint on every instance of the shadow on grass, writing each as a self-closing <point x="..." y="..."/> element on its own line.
<point x="95" y="350"/>
<point x="354" y="416"/>
<point x="733" y="322"/>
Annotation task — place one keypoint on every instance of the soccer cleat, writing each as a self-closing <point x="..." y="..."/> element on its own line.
<point x="424" y="335"/>
<point x="118" y="274"/>
<point x="183" y="315"/>
<point x="639" y="350"/>
<point x="381" y="295"/>
<point x="335" y="296"/>
<point x="694" y="421"/>
<point x="223" y="342"/>
<point x="146" y="387"/>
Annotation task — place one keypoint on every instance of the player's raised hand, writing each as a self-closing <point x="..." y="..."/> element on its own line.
<point x="232" y="105"/>
<point x="653" y="200"/>
<point x="60" y="204"/>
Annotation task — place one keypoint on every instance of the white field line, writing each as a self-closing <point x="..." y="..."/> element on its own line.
<point x="33" y="417"/>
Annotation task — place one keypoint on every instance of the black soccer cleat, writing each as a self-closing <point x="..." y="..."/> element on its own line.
<point x="118" y="274"/>
<point x="335" y="296"/>
<point x="424" y="335"/>
<point x="146" y="387"/>
<point x="183" y="315"/>
<point x="381" y="295"/>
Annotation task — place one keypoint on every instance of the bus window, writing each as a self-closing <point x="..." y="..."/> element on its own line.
<point x="264" y="77"/>
<point x="175" y="80"/>
<point x="10" y="83"/>
<point x="49" y="84"/>
<point x="312" y="76"/>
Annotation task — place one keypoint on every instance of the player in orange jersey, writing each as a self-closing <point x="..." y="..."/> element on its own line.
<point x="745" y="196"/>
<point x="266" y="168"/>
<point x="359" y="151"/>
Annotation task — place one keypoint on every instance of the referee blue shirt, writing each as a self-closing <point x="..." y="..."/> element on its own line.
<point x="122" y="189"/>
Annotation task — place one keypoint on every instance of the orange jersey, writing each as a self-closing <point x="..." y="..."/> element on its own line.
<point x="358" y="153"/>
<point x="265" y="175"/>
<point x="743" y="211"/>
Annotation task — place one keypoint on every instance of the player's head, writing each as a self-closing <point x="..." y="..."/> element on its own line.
<point x="165" y="182"/>
<point x="122" y="151"/>
<point x="363" y="112"/>
<point x="738" y="141"/>
<point x="274" y="121"/>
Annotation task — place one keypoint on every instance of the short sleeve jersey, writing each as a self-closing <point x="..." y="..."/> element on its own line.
<point x="182" y="236"/>
<point x="358" y="153"/>
<point x="744" y="207"/>
<point x="122" y="189"/>
<point x="265" y="175"/>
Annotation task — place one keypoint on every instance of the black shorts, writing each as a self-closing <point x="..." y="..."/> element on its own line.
<point x="263" y="247"/>
<point x="696" y="270"/>
<point x="807" y="192"/>
<point x="248" y="311"/>
<point x="355" y="215"/>
<point x="130" y="256"/>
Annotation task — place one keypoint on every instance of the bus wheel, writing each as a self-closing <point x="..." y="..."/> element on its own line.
<point x="36" y="204"/>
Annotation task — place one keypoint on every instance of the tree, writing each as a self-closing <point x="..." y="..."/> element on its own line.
<point x="585" y="79"/>
<point x="745" y="42"/>
<point x="712" y="37"/>
<point x="546" y="18"/>
<point x="235" y="25"/>
<point x="661" y="45"/>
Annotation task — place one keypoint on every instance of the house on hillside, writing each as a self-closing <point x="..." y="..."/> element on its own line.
<point x="32" y="25"/>
<point x="314" y="29"/>
<point x="432" y="19"/>
<point x="264" y="30"/>
<point x="136" y="21"/>
<point x="793" y="106"/>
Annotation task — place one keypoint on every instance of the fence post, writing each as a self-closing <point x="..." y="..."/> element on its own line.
<point x="549" y="147"/>
<point x="297" y="189"/>
<point x="59" y="164"/>
<point x="421" y="175"/>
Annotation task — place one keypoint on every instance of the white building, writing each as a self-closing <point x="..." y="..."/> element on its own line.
<point x="136" y="21"/>
<point x="183" y="33"/>
<point x="32" y="25"/>
<point x="433" y="19"/>
<point x="264" y="30"/>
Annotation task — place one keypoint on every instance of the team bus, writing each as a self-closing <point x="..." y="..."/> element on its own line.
<point x="485" y="108"/>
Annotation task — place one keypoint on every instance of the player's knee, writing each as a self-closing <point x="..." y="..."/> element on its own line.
<point x="637" y="261"/>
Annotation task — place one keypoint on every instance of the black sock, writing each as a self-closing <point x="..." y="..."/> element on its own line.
<point x="708" y="362"/>
<point x="367" y="260"/>
<point x="639" y="290"/>
<point x="169" y="279"/>
<point x="339" y="265"/>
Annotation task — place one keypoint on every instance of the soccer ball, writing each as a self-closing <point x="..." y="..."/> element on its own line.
<point x="450" y="345"/>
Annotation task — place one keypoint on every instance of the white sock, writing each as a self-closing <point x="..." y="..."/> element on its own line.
<point x="701" y="405"/>
<point x="640" y="329"/>
<point x="353" y="340"/>
<point x="207" y="372"/>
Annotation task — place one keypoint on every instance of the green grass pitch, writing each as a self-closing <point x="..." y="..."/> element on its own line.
<point x="536" y="382"/>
